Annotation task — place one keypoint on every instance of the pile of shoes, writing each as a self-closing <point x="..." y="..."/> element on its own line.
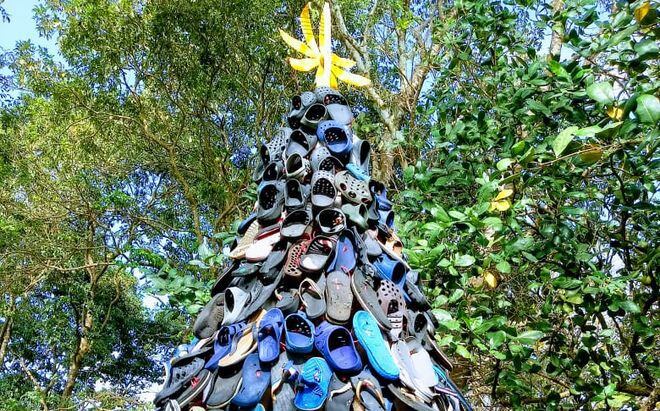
<point x="318" y="307"/>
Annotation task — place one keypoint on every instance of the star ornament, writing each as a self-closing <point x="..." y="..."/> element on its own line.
<point x="329" y="66"/>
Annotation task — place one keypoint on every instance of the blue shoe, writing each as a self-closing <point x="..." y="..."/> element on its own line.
<point x="391" y="269"/>
<point x="299" y="337"/>
<point x="336" y="345"/>
<point x="368" y="335"/>
<point x="313" y="385"/>
<point x="256" y="380"/>
<point x="269" y="334"/>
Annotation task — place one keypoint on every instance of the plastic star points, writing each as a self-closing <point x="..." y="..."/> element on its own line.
<point x="329" y="66"/>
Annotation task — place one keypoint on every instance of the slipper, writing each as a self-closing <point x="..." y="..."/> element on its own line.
<point x="270" y="201"/>
<point x="225" y="278"/>
<point x="237" y="299"/>
<point x="245" y="242"/>
<point x="339" y="297"/>
<point x="225" y="342"/>
<point x="245" y="344"/>
<point x="299" y="335"/>
<point x="209" y="319"/>
<point x="361" y="155"/>
<point x="196" y="388"/>
<point x="269" y="333"/>
<point x="337" y="137"/>
<point x="291" y="267"/>
<point x="300" y="143"/>
<point x="364" y="287"/>
<point x="408" y="371"/>
<point x="273" y="150"/>
<point x="318" y="254"/>
<point x="182" y="371"/>
<point x="331" y="221"/>
<point x="297" y="167"/>
<point x="336" y="105"/>
<point x="352" y="189"/>
<point x="368" y="335"/>
<point x="367" y="397"/>
<point x="312" y="297"/>
<point x="313" y="385"/>
<point x="340" y="395"/>
<point x="424" y="373"/>
<point x="256" y="380"/>
<point x="288" y="301"/>
<point x="391" y="269"/>
<point x="314" y="115"/>
<point x="281" y="389"/>
<point x="336" y="345"/>
<point x="245" y="224"/>
<point x="321" y="159"/>
<point x="299" y="104"/>
<point x="272" y="172"/>
<point x="295" y="195"/>
<point x="344" y="259"/>
<point x="323" y="189"/>
<point x="379" y="193"/>
<point x="271" y="267"/>
<point x="356" y="214"/>
<point x="261" y="298"/>
<point x="392" y="303"/>
<point x="295" y="224"/>
<point x="264" y="243"/>
<point x="404" y="401"/>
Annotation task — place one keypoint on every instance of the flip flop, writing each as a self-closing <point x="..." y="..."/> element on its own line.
<point x="264" y="243"/>
<point x="262" y="297"/>
<point x="352" y="189"/>
<point x="321" y="159"/>
<point x="295" y="224"/>
<point x="225" y="342"/>
<point x="299" y="336"/>
<point x="270" y="198"/>
<point x="269" y="334"/>
<point x="314" y="115"/>
<point x="368" y="335"/>
<point x="288" y="301"/>
<point x="364" y="286"/>
<point x="244" y="344"/>
<point x="196" y="388"/>
<point x="291" y="267"/>
<point x="339" y="297"/>
<point x="245" y="242"/>
<point x="345" y="253"/>
<point x="256" y="380"/>
<point x="337" y="137"/>
<point x="297" y="167"/>
<point x="313" y="385"/>
<point x="356" y="214"/>
<point x="392" y="303"/>
<point x="300" y="143"/>
<point x="312" y="297"/>
<point x="209" y="319"/>
<point x="318" y="254"/>
<point x="225" y="278"/>
<point x="336" y="345"/>
<point x="367" y="397"/>
<point x="323" y="189"/>
<point x="282" y="393"/>
<point x="331" y="221"/>
<point x="340" y="395"/>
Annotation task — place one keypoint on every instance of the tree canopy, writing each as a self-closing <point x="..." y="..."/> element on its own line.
<point x="519" y="139"/>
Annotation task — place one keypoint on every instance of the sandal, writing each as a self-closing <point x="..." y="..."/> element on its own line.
<point x="270" y="202"/>
<point x="380" y="193"/>
<point x="245" y="242"/>
<point x="336" y="345"/>
<point x="323" y="189"/>
<point x="344" y="253"/>
<point x="339" y="297"/>
<point x="299" y="335"/>
<point x="291" y="267"/>
<point x="313" y="385"/>
<point x="368" y="335"/>
<point x="297" y="167"/>
<point x="336" y="105"/>
<point x="256" y="380"/>
<point x="312" y="297"/>
<point x="273" y="150"/>
<point x="331" y="221"/>
<point x="288" y="301"/>
<point x="299" y="104"/>
<point x="393" y="305"/>
<point x="367" y="397"/>
<point x="295" y="224"/>
<point x="210" y="318"/>
<point x="337" y="137"/>
<point x="321" y="159"/>
<point x="356" y="214"/>
<point x="263" y="244"/>
<point x="352" y="189"/>
<point x="295" y="195"/>
<point x="364" y="288"/>
<point x="318" y="254"/>
<point x="269" y="333"/>
<point x="300" y="143"/>
<point x="314" y="114"/>
<point x="361" y="155"/>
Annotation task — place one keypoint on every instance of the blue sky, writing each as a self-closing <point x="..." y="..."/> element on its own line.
<point x="22" y="26"/>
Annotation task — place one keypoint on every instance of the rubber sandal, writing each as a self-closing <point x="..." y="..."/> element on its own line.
<point x="291" y="267"/>
<point x="195" y="389"/>
<point x="336" y="105"/>
<point x="337" y="137"/>
<point x="295" y="224"/>
<point x="274" y="149"/>
<point x="299" y="333"/>
<point x="271" y="267"/>
<point x="392" y="303"/>
<point x="331" y="221"/>
<point x="373" y="248"/>
<point x="297" y="167"/>
<point x="321" y="159"/>
<point x="270" y="201"/>
<point x="367" y="397"/>
<point x="256" y="380"/>
<point x="424" y="373"/>
<point x="391" y="269"/>
<point x="295" y="195"/>
<point x="272" y="172"/>
<point x="404" y="401"/>
<point x="182" y="371"/>
<point x="300" y="143"/>
<point x="323" y="189"/>
<point x="340" y="395"/>
<point x="364" y="288"/>
<point x="245" y="224"/>
<point x="245" y="343"/>
<point x="225" y="387"/>
<point x="225" y="278"/>
<point x="356" y="214"/>
<point x="312" y="297"/>
<point x="315" y="114"/>
<point x="281" y="389"/>
<point x="361" y="155"/>
<point x="260" y="300"/>
<point x="329" y="95"/>
<point x="225" y="342"/>
<point x="386" y="218"/>
<point x="379" y="192"/>
<point x="357" y="172"/>
<point x="264" y="244"/>
<point x="336" y="345"/>
<point x="313" y="385"/>
<point x="236" y="300"/>
<point x="288" y="300"/>
<point x="299" y="104"/>
<point x="345" y="253"/>
<point x="352" y="189"/>
<point x="408" y="373"/>
<point x="209" y="319"/>
<point x="339" y="297"/>
<point x="318" y="254"/>
<point x="269" y="333"/>
<point x="245" y="242"/>
<point x="368" y="335"/>
<point x="394" y="245"/>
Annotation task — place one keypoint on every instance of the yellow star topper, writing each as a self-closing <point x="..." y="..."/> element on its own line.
<point x="328" y="65"/>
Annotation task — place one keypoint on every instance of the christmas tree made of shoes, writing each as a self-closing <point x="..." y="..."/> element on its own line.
<point x="317" y="308"/>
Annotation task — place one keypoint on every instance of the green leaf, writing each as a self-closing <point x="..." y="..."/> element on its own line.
<point x="504" y="163"/>
<point x="563" y="139"/>
<point x="629" y="306"/>
<point x="457" y="215"/>
<point x="463" y="352"/>
<point x="647" y="46"/>
<point x="503" y="267"/>
<point x="529" y="337"/>
<point x="601" y="92"/>
<point x="558" y="70"/>
<point x="494" y="222"/>
<point x="648" y="109"/>
<point x="464" y="260"/>
<point x="495" y="339"/>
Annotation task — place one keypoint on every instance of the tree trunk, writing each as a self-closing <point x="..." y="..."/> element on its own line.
<point x="5" y="334"/>
<point x="82" y="348"/>
<point x="557" y="38"/>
